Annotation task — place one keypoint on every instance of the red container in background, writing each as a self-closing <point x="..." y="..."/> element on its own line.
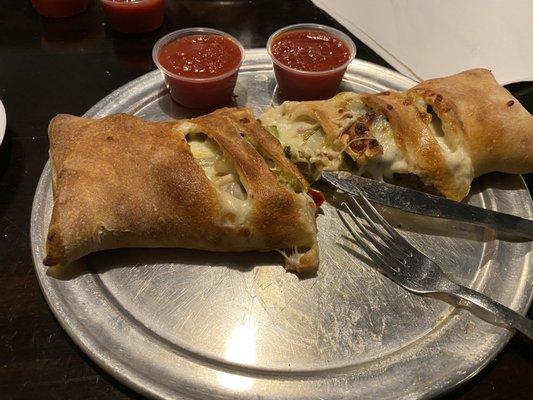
<point x="200" y="66"/>
<point x="60" y="8"/>
<point x="134" y="16"/>
<point x="312" y="62"/>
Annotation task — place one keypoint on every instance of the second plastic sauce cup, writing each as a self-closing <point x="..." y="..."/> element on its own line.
<point x="297" y="84"/>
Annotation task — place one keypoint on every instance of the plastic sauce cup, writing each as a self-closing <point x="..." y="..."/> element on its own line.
<point x="296" y="84"/>
<point x="199" y="92"/>
<point x="134" y="16"/>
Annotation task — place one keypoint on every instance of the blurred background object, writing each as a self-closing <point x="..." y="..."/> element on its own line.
<point x="134" y="16"/>
<point x="73" y="34"/>
<point x="60" y="8"/>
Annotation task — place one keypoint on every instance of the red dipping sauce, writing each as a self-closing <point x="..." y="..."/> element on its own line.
<point x="134" y="16"/>
<point x="309" y="60"/>
<point x="200" y="66"/>
<point x="317" y="196"/>
<point x="60" y="8"/>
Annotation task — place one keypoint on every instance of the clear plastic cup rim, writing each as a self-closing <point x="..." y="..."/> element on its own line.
<point x="335" y="32"/>
<point x="194" y="31"/>
<point x="130" y="3"/>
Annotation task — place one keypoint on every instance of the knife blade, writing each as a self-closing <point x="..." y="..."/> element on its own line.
<point x="422" y="203"/>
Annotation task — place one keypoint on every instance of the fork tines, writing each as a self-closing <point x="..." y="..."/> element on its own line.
<point x="379" y="239"/>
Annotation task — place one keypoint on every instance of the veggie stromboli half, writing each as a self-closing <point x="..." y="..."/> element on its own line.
<point x="445" y="131"/>
<point x="218" y="182"/>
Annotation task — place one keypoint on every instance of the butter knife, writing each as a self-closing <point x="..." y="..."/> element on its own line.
<point x="416" y="202"/>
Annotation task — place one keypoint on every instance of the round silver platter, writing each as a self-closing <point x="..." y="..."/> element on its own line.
<point x="183" y="324"/>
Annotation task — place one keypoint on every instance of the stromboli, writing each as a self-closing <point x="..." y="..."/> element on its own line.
<point x="123" y="182"/>
<point x="446" y="131"/>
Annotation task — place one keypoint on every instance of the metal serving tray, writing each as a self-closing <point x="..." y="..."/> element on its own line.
<point x="183" y="324"/>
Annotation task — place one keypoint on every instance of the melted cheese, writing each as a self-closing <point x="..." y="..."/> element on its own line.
<point x="306" y="143"/>
<point x="457" y="160"/>
<point x="392" y="160"/>
<point x="232" y="196"/>
<point x="233" y="199"/>
<point x="303" y="140"/>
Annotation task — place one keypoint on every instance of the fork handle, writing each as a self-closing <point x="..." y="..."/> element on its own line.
<point x="501" y="312"/>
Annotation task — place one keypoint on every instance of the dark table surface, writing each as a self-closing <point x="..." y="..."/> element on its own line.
<point x="66" y="66"/>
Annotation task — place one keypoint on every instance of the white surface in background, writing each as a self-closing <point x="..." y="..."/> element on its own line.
<point x="3" y="121"/>
<point x="427" y="39"/>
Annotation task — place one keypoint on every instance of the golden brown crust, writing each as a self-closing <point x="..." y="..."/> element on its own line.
<point x="496" y="129"/>
<point x="419" y="147"/>
<point x="121" y="181"/>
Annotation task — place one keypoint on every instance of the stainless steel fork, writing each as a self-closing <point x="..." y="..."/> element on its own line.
<point x="413" y="270"/>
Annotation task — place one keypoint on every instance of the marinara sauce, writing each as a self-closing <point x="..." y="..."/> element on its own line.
<point x="309" y="63"/>
<point x="201" y="69"/>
